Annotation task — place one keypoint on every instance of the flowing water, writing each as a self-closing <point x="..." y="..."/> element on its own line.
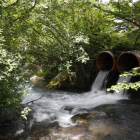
<point x="99" y="81"/>
<point x="58" y="106"/>
<point x="53" y="105"/>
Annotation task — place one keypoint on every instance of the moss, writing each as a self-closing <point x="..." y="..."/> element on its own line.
<point x="61" y="81"/>
<point x="47" y="74"/>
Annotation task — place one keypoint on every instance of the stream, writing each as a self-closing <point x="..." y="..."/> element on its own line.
<point x="61" y="115"/>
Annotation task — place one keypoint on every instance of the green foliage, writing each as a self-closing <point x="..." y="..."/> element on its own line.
<point x="124" y="85"/>
<point x="67" y="36"/>
<point x="25" y="112"/>
<point x="11" y="75"/>
<point x="119" y="45"/>
<point x="128" y="12"/>
<point x="48" y="74"/>
<point x="121" y="86"/>
<point x="133" y="72"/>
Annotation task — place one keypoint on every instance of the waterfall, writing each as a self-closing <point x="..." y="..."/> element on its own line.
<point x="99" y="81"/>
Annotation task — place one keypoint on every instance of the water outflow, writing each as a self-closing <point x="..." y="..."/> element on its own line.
<point x="99" y="81"/>
<point x="61" y="106"/>
<point x="123" y="92"/>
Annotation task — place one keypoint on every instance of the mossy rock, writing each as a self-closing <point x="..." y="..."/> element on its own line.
<point x="61" y="81"/>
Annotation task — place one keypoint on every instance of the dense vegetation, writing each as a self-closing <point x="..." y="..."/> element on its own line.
<point x="52" y="36"/>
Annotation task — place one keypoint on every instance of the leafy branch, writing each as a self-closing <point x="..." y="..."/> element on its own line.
<point x="21" y="15"/>
<point x="13" y="4"/>
<point x="123" y="17"/>
<point x="124" y="85"/>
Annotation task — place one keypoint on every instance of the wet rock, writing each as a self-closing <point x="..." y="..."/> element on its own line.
<point x="53" y="125"/>
<point x="103" y="128"/>
<point x="68" y="108"/>
<point x="83" y="118"/>
<point x="104" y="107"/>
<point x="36" y="78"/>
<point x="81" y="121"/>
<point x="70" y="133"/>
<point x="43" y="128"/>
<point x="22" y="136"/>
<point x="102" y="114"/>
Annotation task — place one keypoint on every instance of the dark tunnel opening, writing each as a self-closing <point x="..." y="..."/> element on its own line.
<point x="105" y="61"/>
<point x="127" y="61"/>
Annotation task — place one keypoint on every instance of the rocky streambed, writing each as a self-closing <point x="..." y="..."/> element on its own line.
<point x="119" y="121"/>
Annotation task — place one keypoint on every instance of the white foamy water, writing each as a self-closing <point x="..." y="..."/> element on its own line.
<point x="100" y="79"/>
<point x="61" y="106"/>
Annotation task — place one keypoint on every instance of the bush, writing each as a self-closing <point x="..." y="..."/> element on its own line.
<point x="11" y="75"/>
<point x="48" y="75"/>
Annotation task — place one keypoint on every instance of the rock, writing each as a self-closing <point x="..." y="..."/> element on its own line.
<point x="61" y="81"/>
<point x="37" y="78"/>
<point x="68" y="132"/>
<point x="83" y="118"/>
<point x="68" y="108"/>
<point x="81" y="121"/>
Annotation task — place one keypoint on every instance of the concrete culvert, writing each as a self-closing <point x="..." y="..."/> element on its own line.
<point x="106" y="61"/>
<point x="128" y="60"/>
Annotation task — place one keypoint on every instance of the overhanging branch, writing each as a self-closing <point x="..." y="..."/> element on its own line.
<point x="13" y="4"/>
<point x="22" y="14"/>
<point x="118" y="15"/>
